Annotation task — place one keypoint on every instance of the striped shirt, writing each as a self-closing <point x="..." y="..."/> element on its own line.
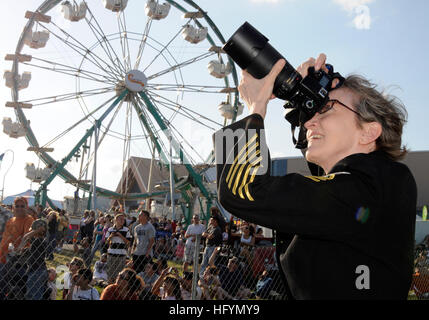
<point x="117" y="245"/>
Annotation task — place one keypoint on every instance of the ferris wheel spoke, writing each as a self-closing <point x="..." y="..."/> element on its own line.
<point x="68" y="96"/>
<point x="104" y="134"/>
<point x="124" y="40"/>
<point x="82" y="50"/>
<point x="175" y="109"/>
<point x="101" y="33"/>
<point x="172" y="129"/>
<point x="188" y="111"/>
<point x="181" y="65"/>
<point x="142" y="125"/>
<point x="175" y="131"/>
<point x="189" y="88"/>
<point x="146" y="121"/>
<point x="65" y="71"/>
<point x="126" y="145"/>
<point x="180" y="142"/>
<point x="163" y="49"/>
<point x="55" y="139"/>
<point x="119" y="68"/>
<point x="66" y="68"/>
<point x="143" y="42"/>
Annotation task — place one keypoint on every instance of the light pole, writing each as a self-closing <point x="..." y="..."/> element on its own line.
<point x="4" y="176"/>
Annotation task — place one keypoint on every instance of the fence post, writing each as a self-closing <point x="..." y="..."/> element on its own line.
<point x="195" y="268"/>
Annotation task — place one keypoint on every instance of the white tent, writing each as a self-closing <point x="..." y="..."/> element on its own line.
<point x="29" y="194"/>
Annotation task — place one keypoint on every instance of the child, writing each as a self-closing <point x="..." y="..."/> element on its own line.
<point x="52" y="287"/>
<point x="75" y="265"/>
<point x="81" y="290"/>
<point x="100" y="273"/>
<point x="180" y="249"/>
<point x="85" y="251"/>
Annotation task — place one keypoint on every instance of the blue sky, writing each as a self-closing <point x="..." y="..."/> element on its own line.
<point x="386" y="41"/>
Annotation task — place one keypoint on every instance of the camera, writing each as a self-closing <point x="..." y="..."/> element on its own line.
<point x="304" y="97"/>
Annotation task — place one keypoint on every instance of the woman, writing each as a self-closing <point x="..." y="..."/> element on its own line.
<point x="167" y="287"/>
<point x="98" y="233"/>
<point x="37" y="273"/>
<point x="53" y="218"/>
<point x="89" y="225"/>
<point x="127" y="287"/>
<point x="341" y="223"/>
<point x="108" y="222"/>
<point x="247" y="238"/>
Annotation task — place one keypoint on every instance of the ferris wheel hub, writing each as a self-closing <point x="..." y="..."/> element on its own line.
<point x="135" y="81"/>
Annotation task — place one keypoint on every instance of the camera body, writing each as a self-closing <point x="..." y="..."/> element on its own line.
<point x="304" y="96"/>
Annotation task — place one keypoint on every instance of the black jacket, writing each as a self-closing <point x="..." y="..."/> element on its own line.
<point x="331" y="228"/>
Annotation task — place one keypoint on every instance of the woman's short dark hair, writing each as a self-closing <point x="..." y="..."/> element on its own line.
<point x="86" y="273"/>
<point x="135" y="283"/>
<point x="176" y="287"/>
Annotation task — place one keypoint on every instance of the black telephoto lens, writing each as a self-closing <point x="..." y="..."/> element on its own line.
<point x="251" y="51"/>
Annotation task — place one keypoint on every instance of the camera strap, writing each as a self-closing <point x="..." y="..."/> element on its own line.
<point x="301" y="143"/>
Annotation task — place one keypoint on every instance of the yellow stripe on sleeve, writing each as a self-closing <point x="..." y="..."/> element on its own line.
<point x="239" y="154"/>
<point x="240" y="161"/>
<point x="246" y="174"/>
<point x="246" y="187"/>
<point x="237" y="179"/>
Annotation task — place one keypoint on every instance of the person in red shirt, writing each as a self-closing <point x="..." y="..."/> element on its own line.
<point x="127" y="287"/>
<point x="13" y="233"/>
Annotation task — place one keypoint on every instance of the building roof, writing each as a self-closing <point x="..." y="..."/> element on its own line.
<point x="138" y="170"/>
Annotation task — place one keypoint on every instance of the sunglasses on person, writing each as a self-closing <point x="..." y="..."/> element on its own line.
<point x="22" y="206"/>
<point x="330" y="104"/>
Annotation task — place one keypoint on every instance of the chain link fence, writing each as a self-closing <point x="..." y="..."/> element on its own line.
<point x="107" y="263"/>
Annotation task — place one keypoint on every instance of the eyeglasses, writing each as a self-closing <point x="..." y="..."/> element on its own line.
<point x="330" y="104"/>
<point x="20" y="207"/>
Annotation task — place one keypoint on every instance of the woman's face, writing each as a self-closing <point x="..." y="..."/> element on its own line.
<point x="168" y="287"/>
<point x="20" y="208"/>
<point x="334" y="134"/>
<point x="74" y="266"/>
<point x="52" y="275"/>
<point x="122" y="281"/>
<point x="245" y="229"/>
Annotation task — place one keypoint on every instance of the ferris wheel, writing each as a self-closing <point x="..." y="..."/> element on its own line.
<point x="97" y="82"/>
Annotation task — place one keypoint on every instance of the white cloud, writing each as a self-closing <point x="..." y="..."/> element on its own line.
<point x="360" y="9"/>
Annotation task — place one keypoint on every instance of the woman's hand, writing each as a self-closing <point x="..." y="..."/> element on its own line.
<point x="257" y="92"/>
<point x="319" y="63"/>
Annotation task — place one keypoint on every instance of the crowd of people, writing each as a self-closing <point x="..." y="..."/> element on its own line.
<point x="142" y="258"/>
<point x="131" y="258"/>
